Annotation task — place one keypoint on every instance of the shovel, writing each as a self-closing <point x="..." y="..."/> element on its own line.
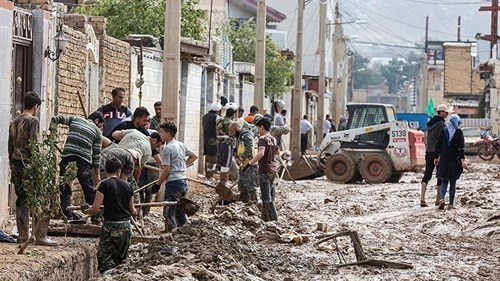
<point x="186" y="205"/>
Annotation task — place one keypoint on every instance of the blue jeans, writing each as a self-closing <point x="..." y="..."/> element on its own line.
<point x="175" y="190"/>
<point x="267" y="187"/>
<point x="444" y="187"/>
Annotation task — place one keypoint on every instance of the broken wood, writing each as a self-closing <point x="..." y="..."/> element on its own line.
<point x="381" y="263"/>
<point x="361" y="258"/>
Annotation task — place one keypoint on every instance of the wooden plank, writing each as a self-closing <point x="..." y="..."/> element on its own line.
<point x="380" y="263"/>
<point x="358" y="249"/>
<point x="85" y="230"/>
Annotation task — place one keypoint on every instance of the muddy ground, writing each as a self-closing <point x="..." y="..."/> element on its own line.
<point x="234" y="244"/>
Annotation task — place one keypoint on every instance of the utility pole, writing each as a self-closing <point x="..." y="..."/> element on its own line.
<point x="322" y="74"/>
<point x="458" y="29"/>
<point x="171" y="60"/>
<point x="338" y="52"/>
<point x="493" y="36"/>
<point x="297" y="91"/>
<point x="260" y="56"/>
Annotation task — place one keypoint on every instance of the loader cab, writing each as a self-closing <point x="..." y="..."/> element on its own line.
<point x="369" y="114"/>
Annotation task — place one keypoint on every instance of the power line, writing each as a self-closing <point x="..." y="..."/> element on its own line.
<point x="401" y="22"/>
<point x="444" y="2"/>
<point x="381" y="26"/>
<point x="387" y="45"/>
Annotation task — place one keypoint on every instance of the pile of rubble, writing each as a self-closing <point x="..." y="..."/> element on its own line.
<point x="234" y="245"/>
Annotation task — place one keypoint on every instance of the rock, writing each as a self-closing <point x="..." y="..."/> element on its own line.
<point x="322" y="226"/>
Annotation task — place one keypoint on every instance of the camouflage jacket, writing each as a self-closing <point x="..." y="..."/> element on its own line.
<point x="224" y="135"/>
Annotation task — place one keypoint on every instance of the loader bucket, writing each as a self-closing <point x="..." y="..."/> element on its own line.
<point x="306" y="167"/>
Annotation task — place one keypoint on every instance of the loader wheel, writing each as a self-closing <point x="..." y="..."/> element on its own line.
<point x="376" y="168"/>
<point x="340" y="168"/>
<point x="396" y="176"/>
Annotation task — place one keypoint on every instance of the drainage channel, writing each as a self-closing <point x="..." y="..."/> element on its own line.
<point x="73" y="260"/>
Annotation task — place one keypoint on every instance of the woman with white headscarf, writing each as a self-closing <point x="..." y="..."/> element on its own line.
<point x="450" y="157"/>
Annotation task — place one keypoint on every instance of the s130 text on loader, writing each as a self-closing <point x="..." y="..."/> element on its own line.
<point x="375" y="147"/>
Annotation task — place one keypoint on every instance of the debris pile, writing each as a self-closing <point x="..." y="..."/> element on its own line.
<point x="233" y="246"/>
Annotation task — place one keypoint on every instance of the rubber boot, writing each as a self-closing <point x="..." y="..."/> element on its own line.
<point x="148" y="197"/>
<point x="265" y="212"/>
<point x="65" y="203"/>
<point x="252" y="196"/>
<point x="423" y="189"/>
<point x="272" y="214"/>
<point x="23" y="223"/>
<point x="41" y="235"/>
<point x="223" y="177"/>
<point x="438" y="199"/>
<point x="244" y="196"/>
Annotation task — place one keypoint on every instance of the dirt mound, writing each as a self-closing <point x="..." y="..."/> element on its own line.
<point x="234" y="245"/>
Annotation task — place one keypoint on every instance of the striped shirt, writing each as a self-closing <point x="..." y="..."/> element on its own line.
<point x="84" y="139"/>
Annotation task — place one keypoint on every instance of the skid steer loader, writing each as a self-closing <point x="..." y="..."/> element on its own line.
<point x="375" y="147"/>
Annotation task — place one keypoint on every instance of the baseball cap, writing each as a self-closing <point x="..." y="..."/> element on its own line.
<point x="443" y="107"/>
<point x="281" y="103"/>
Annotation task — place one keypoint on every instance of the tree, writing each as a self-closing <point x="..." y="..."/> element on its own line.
<point x="42" y="179"/>
<point x="362" y="74"/>
<point x="126" y="17"/>
<point x="279" y="70"/>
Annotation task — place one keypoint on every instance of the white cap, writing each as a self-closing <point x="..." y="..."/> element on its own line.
<point x="231" y="105"/>
<point x="215" y="106"/>
<point x="443" y="107"/>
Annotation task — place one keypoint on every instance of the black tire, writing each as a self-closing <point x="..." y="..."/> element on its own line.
<point x="485" y="154"/>
<point x="340" y="168"/>
<point x="396" y="177"/>
<point x="376" y="168"/>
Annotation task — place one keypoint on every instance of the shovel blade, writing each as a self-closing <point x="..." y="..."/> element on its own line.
<point x="224" y="192"/>
<point x="187" y="206"/>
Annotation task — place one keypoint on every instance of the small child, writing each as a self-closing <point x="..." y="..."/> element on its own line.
<point x="118" y="199"/>
<point x="265" y="157"/>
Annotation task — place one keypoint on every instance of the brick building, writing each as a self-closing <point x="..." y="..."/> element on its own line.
<point x="90" y="66"/>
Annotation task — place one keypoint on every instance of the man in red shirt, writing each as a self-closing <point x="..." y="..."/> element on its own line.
<point x="267" y="151"/>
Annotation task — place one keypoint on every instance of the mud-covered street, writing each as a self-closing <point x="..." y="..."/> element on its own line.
<point x="234" y="244"/>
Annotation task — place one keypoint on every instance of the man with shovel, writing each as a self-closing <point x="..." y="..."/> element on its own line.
<point x="176" y="156"/>
<point x="118" y="199"/>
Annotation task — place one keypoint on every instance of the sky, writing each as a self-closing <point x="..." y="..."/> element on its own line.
<point x="402" y="22"/>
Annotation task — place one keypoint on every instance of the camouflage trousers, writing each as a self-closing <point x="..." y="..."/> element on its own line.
<point x="247" y="184"/>
<point x="210" y="165"/>
<point x="113" y="244"/>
